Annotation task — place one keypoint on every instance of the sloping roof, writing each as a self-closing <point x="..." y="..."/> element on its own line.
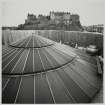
<point x="38" y="70"/>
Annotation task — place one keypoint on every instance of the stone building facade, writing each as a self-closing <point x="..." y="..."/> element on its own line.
<point x="65" y="17"/>
<point x="95" y="28"/>
<point x="55" y="20"/>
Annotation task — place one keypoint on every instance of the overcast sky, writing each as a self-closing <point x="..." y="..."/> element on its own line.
<point x="14" y="12"/>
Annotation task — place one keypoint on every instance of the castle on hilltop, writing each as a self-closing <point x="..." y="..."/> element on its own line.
<point x="55" y="20"/>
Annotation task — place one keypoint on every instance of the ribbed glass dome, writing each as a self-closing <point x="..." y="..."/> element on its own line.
<point x="32" y="42"/>
<point x="38" y="70"/>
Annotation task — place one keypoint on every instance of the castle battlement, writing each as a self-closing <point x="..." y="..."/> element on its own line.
<point x="54" y="20"/>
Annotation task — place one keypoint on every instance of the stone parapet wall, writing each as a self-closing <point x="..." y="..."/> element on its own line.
<point x="81" y="38"/>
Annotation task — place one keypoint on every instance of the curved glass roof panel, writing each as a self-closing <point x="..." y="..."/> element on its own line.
<point x="38" y="70"/>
